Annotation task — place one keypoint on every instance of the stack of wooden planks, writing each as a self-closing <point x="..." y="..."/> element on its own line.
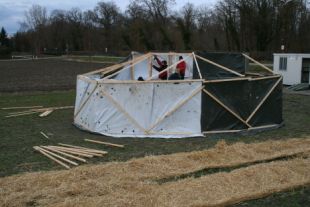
<point x="63" y="152"/>
<point x="42" y="111"/>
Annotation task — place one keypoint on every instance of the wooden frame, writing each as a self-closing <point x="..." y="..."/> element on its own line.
<point x="118" y="68"/>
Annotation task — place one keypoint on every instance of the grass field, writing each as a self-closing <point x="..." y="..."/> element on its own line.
<point x="19" y="134"/>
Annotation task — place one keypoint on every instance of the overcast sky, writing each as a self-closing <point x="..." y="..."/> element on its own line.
<point x="12" y="11"/>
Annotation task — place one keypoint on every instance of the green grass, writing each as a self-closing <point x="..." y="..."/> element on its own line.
<point x="19" y="134"/>
<point x="97" y="58"/>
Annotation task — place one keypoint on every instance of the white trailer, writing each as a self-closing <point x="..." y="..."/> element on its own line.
<point x="294" y="67"/>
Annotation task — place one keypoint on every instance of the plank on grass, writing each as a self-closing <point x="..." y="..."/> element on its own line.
<point x="88" y="149"/>
<point x="21" y="107"/>
<point x="104" y="143"/>
<point x="63" y="153"/>
<point x="58" y="156"/>
<point x="44" y="135"/>
<point x="52" y="158"/>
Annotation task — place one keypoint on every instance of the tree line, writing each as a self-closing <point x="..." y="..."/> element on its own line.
<point x="231" y="25"/>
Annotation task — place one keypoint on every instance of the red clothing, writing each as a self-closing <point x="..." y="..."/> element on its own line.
<point x="181" y="68"/>
<point x="161" y="67"/>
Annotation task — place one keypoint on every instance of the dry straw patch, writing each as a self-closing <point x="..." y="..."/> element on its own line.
<point x="132" y="183"/>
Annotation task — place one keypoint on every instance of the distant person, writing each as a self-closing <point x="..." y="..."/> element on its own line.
<point x="181" y="67"/>
<point x="162" y="66"/>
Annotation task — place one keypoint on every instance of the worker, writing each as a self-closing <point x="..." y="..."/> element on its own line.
<point x="162" y="66"/>
<point x="181" y="67"/>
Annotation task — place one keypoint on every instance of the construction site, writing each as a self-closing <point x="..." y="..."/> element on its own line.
<point x="155" y="103"/>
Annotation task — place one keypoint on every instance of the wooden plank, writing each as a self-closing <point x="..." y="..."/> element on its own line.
<point x="258" y="63"/>
<point x="266" y="77"/>
<point x="226" y="80"/>
<point x="88" y="149"/>
<point x="200" y="76"/>
<point x="58" y="156"/>
<point x="220" y="66"/>
<point x="264" y="126"/>
<point x="46" y="113"/>
<point x="104" y="143"/>
<point x="63" y="153"/>
<point x="226" y="107"/>
<point x="51" y="157"/>
<point x="21" y="107"/>
<point x="222" y="131"/>
<point x="263" y="100"/>
<point x="181" y="103"/>
<point x="113" y="67"/>
<point x="72" y="151"/>
<point x="150" y="81"/>
<point x="22" y="114"/>
<point x="44" y="135"/>
<point x="150" y="68"/>
<point x="131" y="65"/>
<point x="80" y="151"/>
<point x="168" y="68"/>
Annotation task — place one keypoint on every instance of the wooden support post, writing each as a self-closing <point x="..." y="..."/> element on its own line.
<point x="199" y="72"/>
<point x="21" y="107"/>
<point x="227" y="80"/>
<point x="225" y="107"/>
<point x="258" y="63"/>
<point x="51" y="157"/>
<point x="150" y="67"/>
<point x="264" y="99"/>
<point x="181" y="103"/>
<point x="220" y="66"/>
<point x="104" y="143"/>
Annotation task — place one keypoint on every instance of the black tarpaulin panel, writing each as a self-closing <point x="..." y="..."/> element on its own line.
<point x="215" y="117"/>
<point x="234" y="94"/>
<point x="270" y="111"/>
<point x="233" y="61"/>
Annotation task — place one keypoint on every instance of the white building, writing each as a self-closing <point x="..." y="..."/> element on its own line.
<point x="294" y="67"/>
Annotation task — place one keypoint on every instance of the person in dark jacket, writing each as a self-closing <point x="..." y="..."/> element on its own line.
<point x="162" y="66"/>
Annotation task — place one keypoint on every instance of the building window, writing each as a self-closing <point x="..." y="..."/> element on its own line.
<point x="283" y="63"/>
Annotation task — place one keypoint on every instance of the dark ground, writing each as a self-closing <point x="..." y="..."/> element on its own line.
<point x="42" y="75"/>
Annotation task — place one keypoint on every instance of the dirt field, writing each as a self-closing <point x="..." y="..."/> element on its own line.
<point x="42" y="75"/>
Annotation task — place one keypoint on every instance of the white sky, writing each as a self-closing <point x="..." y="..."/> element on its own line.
<point x="12" y="11"/>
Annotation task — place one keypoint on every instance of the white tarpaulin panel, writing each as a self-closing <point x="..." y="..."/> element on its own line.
<point x="132" y="109"/>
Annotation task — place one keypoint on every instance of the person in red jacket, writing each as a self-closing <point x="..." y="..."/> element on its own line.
<point x="162" y="66"/>
<point x="181" y="67"/>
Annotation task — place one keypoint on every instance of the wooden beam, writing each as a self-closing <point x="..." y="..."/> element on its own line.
<point x="222" y="131"/>
<point x="58" y="156"/>
<point x="220" y="66"/>
<point x="150" y="81"/>
<point x="44" y="135"/>
<point x="88" y="149"/>
<point x="72" y="151"/>
<point x="258" y="63"/>
<point x="226" y="107"/>
<point x="105" y="143"/>
<point x="199" y="72"/>
<point x="226" y="80"/>
<point x="181" y="103"/>
<point x="266" y="77"/>
<point x="263" y="100"/>
<point x="131" y="65"/>
<point x="51" y="157"/>
<point x="21" y="107"/>
<point x="65" y="154"/>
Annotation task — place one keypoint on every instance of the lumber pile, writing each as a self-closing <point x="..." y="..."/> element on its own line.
<point x="42" y="111"/>
<point x="63" y="153"/>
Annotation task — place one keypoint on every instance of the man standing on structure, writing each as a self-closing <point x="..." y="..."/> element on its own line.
<point x="181" y="67"/>
<point x="162" y="66"/>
